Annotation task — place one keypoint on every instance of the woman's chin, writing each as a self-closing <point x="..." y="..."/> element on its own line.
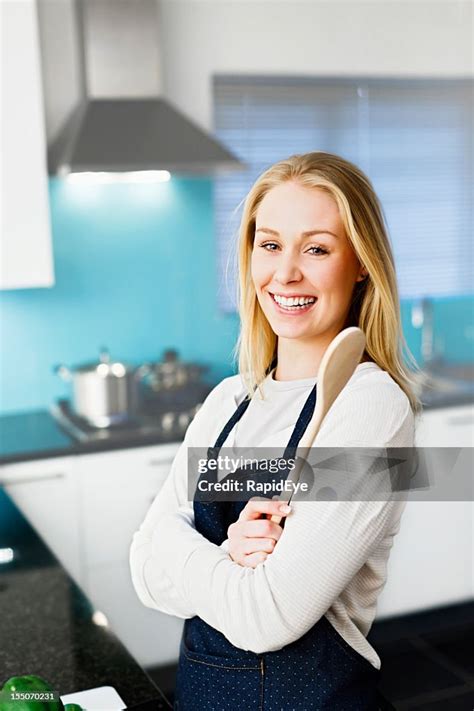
<point x="292" y="330"/>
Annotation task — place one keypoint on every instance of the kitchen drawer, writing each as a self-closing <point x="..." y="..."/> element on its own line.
<point x="446" y="427"/>
<point x="150" y="636"/>
<point x="120" y="466"/>
<point x="36" y="470"/>
<point x="117" y="489"/>
<point x="46" y="493"/>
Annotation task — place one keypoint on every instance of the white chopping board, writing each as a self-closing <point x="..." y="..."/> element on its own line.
<point x="102" y="698"/>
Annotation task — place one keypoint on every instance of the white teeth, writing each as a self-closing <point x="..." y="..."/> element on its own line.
<point x="293" y="301"/>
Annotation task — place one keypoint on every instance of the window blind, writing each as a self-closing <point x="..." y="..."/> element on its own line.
<point x="412" y="137"/>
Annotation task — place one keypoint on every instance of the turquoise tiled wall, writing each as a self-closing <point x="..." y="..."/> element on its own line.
<point x="136" y="271"/>
<point x="453" y="319"/>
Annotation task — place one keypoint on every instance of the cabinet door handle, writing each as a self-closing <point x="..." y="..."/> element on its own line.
<point x="29" y="480"/>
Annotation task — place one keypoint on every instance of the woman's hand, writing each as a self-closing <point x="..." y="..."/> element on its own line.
<point x="251" y="538"/>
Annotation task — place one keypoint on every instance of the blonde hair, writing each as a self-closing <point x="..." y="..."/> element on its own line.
<point x="375" y="306"/>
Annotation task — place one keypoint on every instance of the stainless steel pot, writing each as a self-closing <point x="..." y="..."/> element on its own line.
<point x="106" y="392"/>
<point x="171" y="373"/>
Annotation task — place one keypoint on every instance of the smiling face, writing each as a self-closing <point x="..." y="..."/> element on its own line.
<point x="303" y="266"/>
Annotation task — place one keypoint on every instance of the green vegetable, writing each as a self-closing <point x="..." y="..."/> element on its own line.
<point x="30" y="684"/>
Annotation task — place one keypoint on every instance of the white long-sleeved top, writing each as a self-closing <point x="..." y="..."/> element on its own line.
<point x="331" y="558"/>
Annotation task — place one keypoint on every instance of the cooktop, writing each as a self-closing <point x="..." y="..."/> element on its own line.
<point x="164" y="415"/>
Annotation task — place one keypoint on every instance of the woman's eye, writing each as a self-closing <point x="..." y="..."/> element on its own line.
<point x="322" y="250"/>
<point x="273" y="245"/>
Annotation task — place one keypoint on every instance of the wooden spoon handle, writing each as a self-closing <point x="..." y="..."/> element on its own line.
<point x="338" y="363"/>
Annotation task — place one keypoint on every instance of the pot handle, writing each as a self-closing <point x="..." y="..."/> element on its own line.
<point x="104" y="355"/>
<point x="142" y="371"/>
<point x="63" y="372"/>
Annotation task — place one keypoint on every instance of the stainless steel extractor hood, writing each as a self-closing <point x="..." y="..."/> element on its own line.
<point x="124" y="123"/>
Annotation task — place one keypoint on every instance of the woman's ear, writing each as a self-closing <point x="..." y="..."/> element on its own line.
<point x="362" y="274"/>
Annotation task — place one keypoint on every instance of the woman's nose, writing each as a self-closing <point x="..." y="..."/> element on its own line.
<point x="287" y="269"/>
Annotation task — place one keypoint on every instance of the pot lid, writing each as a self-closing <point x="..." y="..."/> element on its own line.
<point x="105" y="366"/>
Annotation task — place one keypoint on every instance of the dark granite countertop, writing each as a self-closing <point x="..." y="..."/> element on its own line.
<point x="34" y="435"/>
<point x="47" y="627"/>
<point x="439" y="400"/>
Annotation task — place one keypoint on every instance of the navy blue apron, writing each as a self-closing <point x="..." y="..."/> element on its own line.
<point x="320" y="670"/>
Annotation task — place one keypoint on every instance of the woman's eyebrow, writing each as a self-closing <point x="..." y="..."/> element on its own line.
<point x="308" y="233"/>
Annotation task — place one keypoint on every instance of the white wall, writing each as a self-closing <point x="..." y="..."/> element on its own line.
<point x="308" y="37"/>
<point x="61" y="69"/>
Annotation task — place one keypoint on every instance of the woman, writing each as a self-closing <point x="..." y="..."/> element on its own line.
<point x="277" y="615"/>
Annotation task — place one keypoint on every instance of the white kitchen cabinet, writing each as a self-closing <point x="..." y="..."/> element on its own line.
<point x="432" y="560"/>
<point x="430" y="564"/>
<point x="46" y="493"/>
<point x="150" y="636"/>
<point x="26" y="258"/>
<point x="117" y="489"/>
<point x="446" y="427"/>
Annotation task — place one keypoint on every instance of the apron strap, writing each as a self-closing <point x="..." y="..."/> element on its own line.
<point x="212" y="452"/>
<point x="302" y="423"/>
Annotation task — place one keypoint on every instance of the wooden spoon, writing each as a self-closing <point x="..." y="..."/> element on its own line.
<point x="338" y="363"/>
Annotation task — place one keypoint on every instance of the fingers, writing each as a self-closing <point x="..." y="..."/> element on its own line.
<point x="257" y="545"/>
<point x="262" y="528"/>
<point x="245" y="548"/>
<point x="252" y="538"/>
<point x="254" y="508"/>
<point x="251" y="561"/>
